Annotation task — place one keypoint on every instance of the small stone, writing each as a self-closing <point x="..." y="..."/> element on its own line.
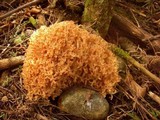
<point x="83" y="102"/>
<point x="4" y="99"/>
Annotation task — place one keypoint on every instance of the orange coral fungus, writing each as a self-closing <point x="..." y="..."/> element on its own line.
<point x="63" y="55"/>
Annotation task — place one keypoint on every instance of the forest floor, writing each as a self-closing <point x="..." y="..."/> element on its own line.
<point x="16" y="29"/>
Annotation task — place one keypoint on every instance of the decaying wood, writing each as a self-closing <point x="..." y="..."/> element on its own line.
<point x="138" y="35"/>
<point x="128" y="27"/>
<point x="10" y="62"/>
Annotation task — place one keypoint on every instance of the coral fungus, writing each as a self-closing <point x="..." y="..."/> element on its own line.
<point x="63" y="55"/>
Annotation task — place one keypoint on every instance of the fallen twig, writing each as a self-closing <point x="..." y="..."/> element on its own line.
<point x="10" y="62"/>
<point x="154" y="97"/>
<point x="19" y="8"/>
<point x="152" y="62"/>
<point x="125" y="55"/>
<point x="5" y="89"/>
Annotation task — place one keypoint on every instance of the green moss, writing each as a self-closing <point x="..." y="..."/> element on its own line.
<point x="134" y="116"/>
<point x="155" y="113"/>
<point x="98" y="13"/>
<point x="120" y="52"/>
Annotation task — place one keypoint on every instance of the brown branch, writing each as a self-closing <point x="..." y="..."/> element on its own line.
<point x="154" y="97"/>
<point x="19" y="8"/>
<point x="123" y="54"/>
<point x="2" y="89"/>
<point x="127" y="26"/>
<point x="10" y="62"/>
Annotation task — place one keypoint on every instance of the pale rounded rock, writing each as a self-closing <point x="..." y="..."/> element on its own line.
<point x="83" y="102"/>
